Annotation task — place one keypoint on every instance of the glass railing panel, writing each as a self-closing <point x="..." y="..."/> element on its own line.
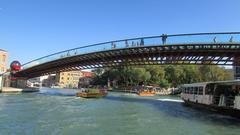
<point x="153" y="41"/>
<point x="119" y="45"/>
<point x="212" y="38"/>
<point x="188" y="39"/>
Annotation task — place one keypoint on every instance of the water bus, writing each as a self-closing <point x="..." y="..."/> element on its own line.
<point x="219" y="96"/>
<point x="92" y="93"/>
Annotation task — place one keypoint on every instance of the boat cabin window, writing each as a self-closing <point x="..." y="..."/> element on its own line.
<point x="185" y="90"/>
<point x="193" y="90"/>
<point x="200" y="90"/>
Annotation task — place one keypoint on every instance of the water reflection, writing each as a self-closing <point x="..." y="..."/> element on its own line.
<point x="178" y="109"/>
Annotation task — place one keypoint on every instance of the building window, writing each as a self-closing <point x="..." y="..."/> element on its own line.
<point x="62" y="78"/>
<point x="62" y="73"/>
<point x="4" y="58"/>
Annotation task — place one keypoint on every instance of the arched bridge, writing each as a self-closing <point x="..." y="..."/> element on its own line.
<point x="197" y="48"/>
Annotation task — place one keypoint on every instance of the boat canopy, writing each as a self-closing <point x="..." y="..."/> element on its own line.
<point x="203" y="84"/>
<point x="195" y="85"/>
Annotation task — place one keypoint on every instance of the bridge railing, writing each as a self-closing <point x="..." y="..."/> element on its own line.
<point x="211" y="38"/>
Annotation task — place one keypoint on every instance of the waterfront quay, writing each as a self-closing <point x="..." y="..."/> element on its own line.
<point x="17" y="90"/>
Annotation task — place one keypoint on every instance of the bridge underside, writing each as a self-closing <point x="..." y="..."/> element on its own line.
<point x="198" y="54"/>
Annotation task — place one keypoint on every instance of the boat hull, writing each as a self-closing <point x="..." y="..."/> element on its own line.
<point x="145" y="94"/>
<point x="221" y="110"/>
<point x="91" y="95"/>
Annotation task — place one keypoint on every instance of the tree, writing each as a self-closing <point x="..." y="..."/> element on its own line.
<point x="191" y="74"/>
<point x="163" y="76"/>
<point x="164" y="83"/>
<point x="174" y="75"/>
<point x="157" y="74"/>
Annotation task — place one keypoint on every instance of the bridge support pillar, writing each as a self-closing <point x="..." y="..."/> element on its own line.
<point x="19" y="83"/>
<point x="236" y="68"/>
<point x="4" y="81"/>
<point x="1" y="83"/>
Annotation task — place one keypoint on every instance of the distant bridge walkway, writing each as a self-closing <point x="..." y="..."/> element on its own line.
<point x="197" y="48"/>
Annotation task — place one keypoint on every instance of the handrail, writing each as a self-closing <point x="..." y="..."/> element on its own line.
<point x="132" y="39"/>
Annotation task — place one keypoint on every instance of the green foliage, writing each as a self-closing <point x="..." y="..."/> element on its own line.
<point x="163" y="76"/>
<point x="164" y="83"/>
<point x="157" y="74"/>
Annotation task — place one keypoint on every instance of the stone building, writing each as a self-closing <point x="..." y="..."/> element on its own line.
<point x="68" y="79"/>
<point x="3" y="61"/>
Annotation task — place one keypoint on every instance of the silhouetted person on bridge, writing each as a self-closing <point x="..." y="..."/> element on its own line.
<point x="142" y="42"/>
<point x="126" y="43"/>
<point x="68" y="53"/>
<point x="137" y="44"/>
<point x="231" y="39"/>
<point x="215" y="39"/>
<point x="164" y="38"/>
<point x="113" y="45"/>
<point x="133" y="44"/>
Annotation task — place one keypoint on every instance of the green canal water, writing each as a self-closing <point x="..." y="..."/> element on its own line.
<point x="59" y="112"/>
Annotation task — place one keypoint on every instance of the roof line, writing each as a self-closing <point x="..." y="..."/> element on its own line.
<point x="3" y="50"/>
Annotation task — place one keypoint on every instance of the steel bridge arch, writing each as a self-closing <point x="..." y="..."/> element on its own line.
<point x="197" y="48"/>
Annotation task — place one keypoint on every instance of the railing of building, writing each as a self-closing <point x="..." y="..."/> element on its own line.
<point x="195" y="38"/>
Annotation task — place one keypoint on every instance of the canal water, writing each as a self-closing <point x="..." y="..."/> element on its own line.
<point x="59" y="112"/>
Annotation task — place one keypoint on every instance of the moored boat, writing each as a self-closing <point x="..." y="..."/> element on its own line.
<point x="219" y="96"/>
<point x="146" y="91"/>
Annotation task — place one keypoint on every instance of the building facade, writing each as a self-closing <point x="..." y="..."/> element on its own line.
<point x="3" y="61"/>
<point x="87" y="74"/>
<point x="86" y="79"/>
<point x="42" y="81"/>
<point x="48" y="81"/>
<point x="68" y="79"/>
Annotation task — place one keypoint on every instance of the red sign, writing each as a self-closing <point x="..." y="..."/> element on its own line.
<point x="15" y="66"/>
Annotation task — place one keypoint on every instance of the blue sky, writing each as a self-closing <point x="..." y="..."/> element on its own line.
<point x="31" y="29"/>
